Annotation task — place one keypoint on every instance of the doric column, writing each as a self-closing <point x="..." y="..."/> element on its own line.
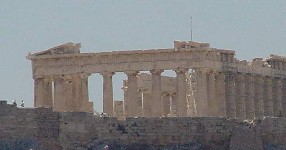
<point x="43" y="92"/>
<point x="139" y="103"/>
<point x="268" y="97"/>
<point x="202" y="97"/>
<point x="48" y="92"/>
<point x="107" y="93"/>
<point x="258" y="96"/>
<point x="124" y="88"/>
<point x="38" y="91"/>
<point x="173" y="104"/>
<point x="76" y="93"/>
<point x="230" y="94"/>
<point x="249" y="101"/>
<point x="191" y="104"/>
<point x="131" y="101"/>
<point x="68" y="98"/>
<point x="59" y="101"/>
<point x="211" y="93"/>
<point x="146" y="103"/>
<point x="181" y="109"/>
<point x="220" y="94"/>
<point x="84" y="102"/>
<point x="277" y="97"/>
<point x="157" y="103"/>
<point x="166" y="103"/>
<point x="240" y="96"/>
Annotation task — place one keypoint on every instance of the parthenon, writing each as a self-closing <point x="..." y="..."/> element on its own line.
<point x="209" y="81"/>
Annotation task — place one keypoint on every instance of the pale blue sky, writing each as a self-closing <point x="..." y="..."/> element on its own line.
<point x="253" y="28"/>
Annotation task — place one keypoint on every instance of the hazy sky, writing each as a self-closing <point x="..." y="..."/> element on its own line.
<point x="253" y="28"/>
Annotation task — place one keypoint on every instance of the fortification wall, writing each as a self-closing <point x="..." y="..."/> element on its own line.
<point x="145" y="132"/>
<point x="28" y="128"/>
<point x="43" y="129"/>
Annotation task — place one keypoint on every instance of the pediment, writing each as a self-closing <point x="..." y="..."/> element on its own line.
<point x="67" y="48"/>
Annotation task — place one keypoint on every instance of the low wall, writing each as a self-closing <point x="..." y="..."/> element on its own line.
<point x="41" y="128"/>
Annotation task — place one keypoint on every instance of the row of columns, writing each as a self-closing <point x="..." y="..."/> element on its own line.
<point x="249" y="96"/>
<point x="156" y="105"/>
<point x="70" y="92"/>
<point x="238" y="95"/>
<point x="210" y="96"/>
<point x="229" y="94"/>
<point x="166" y="105"/>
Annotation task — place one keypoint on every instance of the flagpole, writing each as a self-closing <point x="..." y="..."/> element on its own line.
<point x="191" y="28"/>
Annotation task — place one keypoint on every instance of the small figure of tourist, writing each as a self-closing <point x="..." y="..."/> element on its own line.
<point x="14" y="102"/>
<point x="22" y="104"/>
<point x="103" y="114"/>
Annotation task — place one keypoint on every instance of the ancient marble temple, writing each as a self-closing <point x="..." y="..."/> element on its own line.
<point x="208" y="82"/>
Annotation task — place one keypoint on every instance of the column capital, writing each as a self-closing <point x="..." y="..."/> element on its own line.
<point x="63" y="76"/>
<point x="67" y="77"/>
<point x="84" y="75"/>
<point x="156" y="71"/>
<point x="38" y="77"/>
<point x="48" y="79"/>
<point x="181" y="70"/>
<point x="212" y="75"/>
<point x="202" y="70"/>
<point x="131" y="73"/>
<point x="107" y="74"/>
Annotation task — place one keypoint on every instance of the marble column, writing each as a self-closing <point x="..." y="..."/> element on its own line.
<point x="166" y="103"/>
<point x="76" y="93"/>
<point x="43" y="92"/>
<point x="68" y="97"/>
<point x="139" y="103"/>
<point x="220" y="94"/>
<point x="131" y="101"/>
<point x="277" y="97"/>
<point x="258" y="96"/>
<point x="268" y="97"/>
<point x="202" y="97"/>
<point x="230" y="94"/>
<point x="240" y="96"/>
<point x="181" y="109"/>
<point x="107" y="93"/>
<point x="191" y="104"/>
<point x="59" y="101"/>
<point x="84" y="103"/>
<point x="173" y="105"/>
<point x="157" y="102"/>
<point x="249" y="100"/>
<point x="211" y="93"/>
<point x="124" y="88"/>
<point x="38" y="91"/>
<point x="146" y="103"/>
<point x="48" y="93"/>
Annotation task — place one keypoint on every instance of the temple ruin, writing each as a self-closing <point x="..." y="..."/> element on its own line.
<point x="209" y="82"/>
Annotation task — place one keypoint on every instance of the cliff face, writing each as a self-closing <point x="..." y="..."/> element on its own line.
<point x="41" y="128"/>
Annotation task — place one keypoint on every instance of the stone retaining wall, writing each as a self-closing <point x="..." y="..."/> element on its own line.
<point x="43" y="129"/>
